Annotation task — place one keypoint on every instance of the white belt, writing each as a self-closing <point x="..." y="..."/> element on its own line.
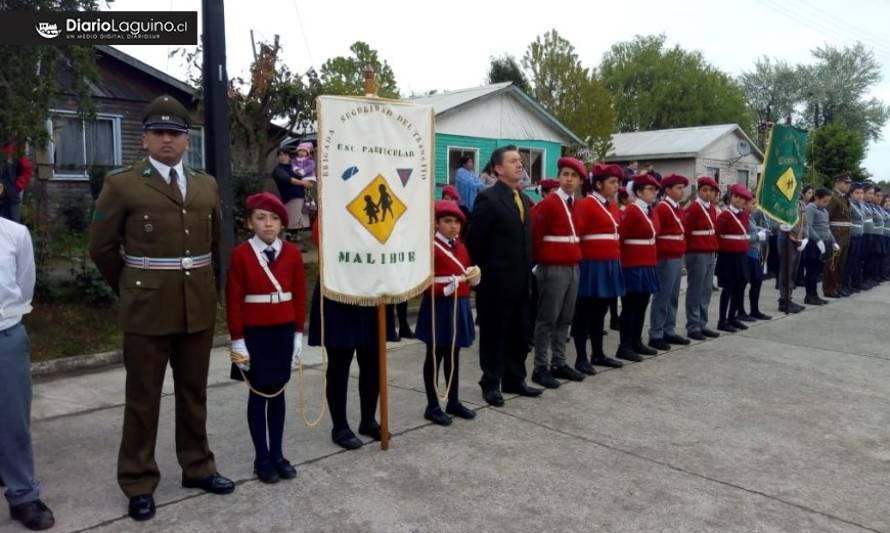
<point x="447" y="279"/>
<point x="600" y="237"/>
<point x="840" y="224"/>
<point x="672" y="237"/>
<point x="640" y="242"/>
<point x="699" y="232"/>
<point x="735" y="237"/>
<point x="15" y="310"/>
<point x="271" y="298"/>
<point x="857" y="225"/>
<point x="571" y="239"/>
<point x="168" y="263"/>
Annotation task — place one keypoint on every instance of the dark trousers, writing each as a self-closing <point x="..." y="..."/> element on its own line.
<point x="402" y="314"/>
<point x="633" y="315"/>
<point x="853" y="270"/>
<point x="833" y="276"/>
<point x="755" y="280"/>
<point x="265" y="417"/>
<point x="443" y="357"/>
<point x="814" y="268"/>
<point x="790" y="260"/>
<point x="772" y="255"/>
<point x="873" y="266"/>
<point x="145" y="359"/>
<point x="503" y="338"/>
<point x="339" y="361"/>
<point x="731" y="300"/>
<point x="588" y="322"/>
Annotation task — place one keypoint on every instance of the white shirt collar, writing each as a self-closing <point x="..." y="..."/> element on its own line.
<point x="671" y="202"/>
<point x="706" y="205"/>
<point x="600" y="197"/>
<point x="562" y="194"/>
<point x="734" y="210"/>
<point x="641" y="204"/>
<point x="443" y="238"/>
<point x="164" y="170"/>
<point x="261" y="246"/>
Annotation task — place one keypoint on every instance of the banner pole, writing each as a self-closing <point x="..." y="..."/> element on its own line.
<point x="789" y="283"/>
<point x="381" y="364"/>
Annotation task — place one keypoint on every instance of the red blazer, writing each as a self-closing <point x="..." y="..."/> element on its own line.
<point x="594" y="223"/>
<point x="246" y="276"/>
<point x="551" y="221"/>
<point x="701" y="228"/>
<point x="637" y="226"/>
<point x="732" y="231"/>
<point x="671" y="239"/>
<point x="444" y="266"/>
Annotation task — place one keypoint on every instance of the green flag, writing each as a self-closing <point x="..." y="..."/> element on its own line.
<point x="782" y="175"/>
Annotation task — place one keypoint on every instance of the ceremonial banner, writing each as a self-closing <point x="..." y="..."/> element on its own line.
<point x="375" y="199"/>
<point x="781" y="177"/>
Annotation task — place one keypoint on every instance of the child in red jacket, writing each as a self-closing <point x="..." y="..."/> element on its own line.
<point x="266" y="308"/>
<point x="732" y="237"/>
<point x="454" y="328"/>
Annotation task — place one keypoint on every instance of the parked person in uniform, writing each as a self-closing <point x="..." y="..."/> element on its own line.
<point x="758" y="245"/>
<point x="821" y="247"/>
<point x="853" y="269"/>
<point x="732" y="234"/>
<point x="701" y="249"/>
<point x="839" y="213"/>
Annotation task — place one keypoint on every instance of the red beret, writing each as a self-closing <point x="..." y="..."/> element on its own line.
<point x="641" y="180"/>
<point x="607" y="171"/>
<point x="549" y="183"/>
<point x="269" y="202"/>
<point x="674" y="179"/>
<point x="708" y="181"/>
<point x="573" y="164"/>
<point x="446" y="208"/>
<point x="451" y="190"/>
<point x="740" y="190"/>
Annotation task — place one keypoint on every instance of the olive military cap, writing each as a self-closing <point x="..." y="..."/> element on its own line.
<point x="166" y="113"/>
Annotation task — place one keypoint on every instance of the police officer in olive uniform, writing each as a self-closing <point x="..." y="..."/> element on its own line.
<point x="841" y="225"/>
<point x="155" y="225"/>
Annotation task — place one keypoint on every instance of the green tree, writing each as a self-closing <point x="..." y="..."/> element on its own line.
<point x="772" y="90"/>
<point x="835" y="150"/>
<point x="656" y="87"/>
<point x="342" y="75"/>
<point x="506" y="68"/>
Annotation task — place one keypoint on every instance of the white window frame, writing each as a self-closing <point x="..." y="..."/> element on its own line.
<point x="191" y="146"/>
<point x="747" y="176"/>
<point x="543" y="163"/>
<point x="708" y="170"/>
<point x="448" y="149"/>
<point x="115" y="132"/>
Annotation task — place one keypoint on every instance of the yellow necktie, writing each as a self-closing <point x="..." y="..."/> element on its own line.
<point x="519" y="205"/>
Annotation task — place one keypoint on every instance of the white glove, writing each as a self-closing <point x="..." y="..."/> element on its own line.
<point x="803" y="244"/>
<point x="478" y="279"/>
<point x="835" y="246"/>
<point x="451" y="287"/>
<point x="239" y="347"/>
<point x="535" y="270"/>
<point x="821" y="246"/>
<point x="785" y="227"/>
<point x="300" y="172"/>
<point x="298" y="350"/>
<point x="761" y="235"/>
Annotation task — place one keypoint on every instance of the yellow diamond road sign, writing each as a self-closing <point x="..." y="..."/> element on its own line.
<point x="377" y="209"/>
<point x="787" y="183"/>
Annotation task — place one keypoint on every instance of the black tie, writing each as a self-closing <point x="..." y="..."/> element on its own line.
<point x="451" y="243"/>
<point x="649" y="210"/>
<point x="569" y="202"/>
<point x="174" y="184"/>
<point x="270" y="253"/>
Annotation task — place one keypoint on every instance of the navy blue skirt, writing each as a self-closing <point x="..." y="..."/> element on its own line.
<point x="642" y="280"/>
<point x="601" y="279"/>
<point x="730" y="268"/>
<point x="346" y="326"/>
<point x="271" y="348"/>
<point x="466" y="330"/>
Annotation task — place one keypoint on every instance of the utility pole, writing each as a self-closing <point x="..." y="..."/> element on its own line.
<point x="216" y="132"/>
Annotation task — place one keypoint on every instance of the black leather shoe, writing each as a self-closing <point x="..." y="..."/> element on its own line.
<point x="607" y="361"/>
<point x="437" y="416"/>
<point x="696" y="336"/>
<point x="36" y="516"/>
<point x="659" y="344"/>
<point x="710" y="333"/>
<point x="743" y="317"/>
<point x="833" y="295"/>
<point x="737" y="324"/>
<point x="345" y="438"/>
<point x="542" y="377"/>
<point x="523" y="390"/>
<point x="214" y="484"/>
<point x="459" y="410"/>
<point x="566" y="372"/>
<point x="266" y="472"/>
<point x="727" y="327"/>
<point x="761" y="316"/>
<point x="813" y="300"/>
<point x="142" y="508"/>
<point x="845" y="293"/>
<point x="370" y="429"/>
<point x="628" y="354"/>
<point x="642" y="349"/>
<point x="285" y="469"/>
<point x="493" y="398"/>
<point x="676" y="339"/>
<point x="584" y="366"/>
<point x="405" y="332"/>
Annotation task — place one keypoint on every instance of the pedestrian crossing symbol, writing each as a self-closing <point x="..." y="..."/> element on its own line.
<point x="377" y="209"/>
<point x="787" y="183"/>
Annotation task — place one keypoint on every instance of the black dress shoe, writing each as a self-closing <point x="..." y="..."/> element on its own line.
<point x="696" y="336"/>
<point x="584" y="366"/>
<point x="437" y="416"/>
<point x="459" y="410"/>
<point x="370" y="429"/>
<point x="833" y="295"/>
<point x="707" y="332"/>
<point x="345" y="438"/>
<point x="405" y="332"/>
<point x="542" y="377"/>
<point x="845" y="293"/>
<point x="607" y="361"/>
<point x="628" y="354"/>
<point x="566" y="372"/>
<point x="737" y="324"/>
<point x="493" y="398"/>
<point x="36" y="516"/>
<point x="142" y="508"/>
<point x="813" y="300"/>
<point x="642" y="349"/>
<point x="266" y="472"/>
<point x="285" y="469"/>
<point x="659" y="344"/>
<point x="676" y="339"/>
<point x="523" y="390"/>
<point x="214" y="484"/>
<point x="744" y="317"/>
<point x="726" y="326"/>
<point x="761" y="316"/>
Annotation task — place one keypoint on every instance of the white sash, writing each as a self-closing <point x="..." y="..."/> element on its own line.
<point x="648" y="220"/>
<point x="264" y="263"/>
<point x="449" y="255"/>
<point x="707" y="215"/>
<point x="674" y="214"/>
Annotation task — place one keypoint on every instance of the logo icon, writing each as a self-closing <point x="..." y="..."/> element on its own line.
<point x="48" y="30"/>
<point x="787" y="183"/>
<point x="377" y="209"/>
<point x="349" y="172"/>
<point x="404" y="175"/>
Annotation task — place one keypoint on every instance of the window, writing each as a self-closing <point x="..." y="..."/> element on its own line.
<point x="455" y="155"/>
<point x="194" y="157"/>
<point x="714" y="172"/>
<point x="742" y="177"/>
<point x="533" y="163"/>
<point x="79" y="145"/>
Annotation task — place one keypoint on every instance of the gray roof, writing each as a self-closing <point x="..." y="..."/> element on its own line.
<point x="146" y="68"/>
<point x="671" y="143"/>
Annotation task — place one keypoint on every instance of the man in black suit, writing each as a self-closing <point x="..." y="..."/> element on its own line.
<point x="500" y="243"/>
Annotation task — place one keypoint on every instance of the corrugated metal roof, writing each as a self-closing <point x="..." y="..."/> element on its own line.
<point x="676" y="142"/>
<point x="447" y="100"/>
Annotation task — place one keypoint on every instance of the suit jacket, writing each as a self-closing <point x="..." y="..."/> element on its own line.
<point x="500" y="242"/>
<point x="138" y="214"/>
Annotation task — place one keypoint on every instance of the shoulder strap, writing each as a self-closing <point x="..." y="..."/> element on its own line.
<point x="449" y="255"/>
<point x="264" y="264"/>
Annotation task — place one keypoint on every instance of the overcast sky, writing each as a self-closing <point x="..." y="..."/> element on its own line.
<point x="448" y="45"/>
